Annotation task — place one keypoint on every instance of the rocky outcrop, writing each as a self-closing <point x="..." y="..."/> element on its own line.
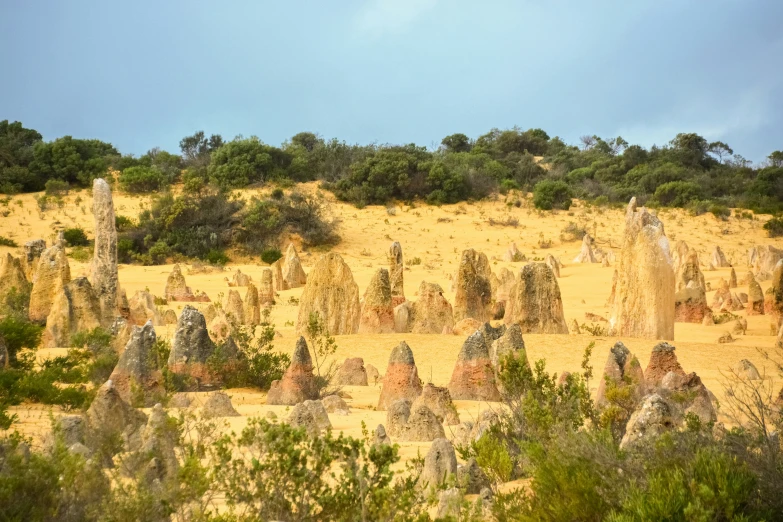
<point x="473" y="377"/>
<point x="351" y="373"/>
<point x="396" y="269"/>
<point x="169" y="317"/>
<point x="535" y="302"/>
<point x="234" y="309"/>
<point x="690" y="297"/>
<point x="377" y="308"/>
<point x="687" y="395"/>
<point x="298" y="383"/>
<point x="332" y="293"/>
<point x="422" y="426"/>
<point x="178" y="290"/>
<point x="137" y="376"/>
<point x="32" y="254"/>
<point x="431" y="312"/>
<point x="141" y="308"/>
<point x="397" y="416"/>
<point x="439" y="463"/>
<point x="662" y="361"/>
<point x="240" y="279"/>
<point x="75" y="309"/>
<point x="643" y="305"/>
<point x="373" y="375"/>
<point x="679" y="253"/>
<point x="191" y="348"/>
<point x="622" y="370"/>
<point x="218" y="405"/>
<point x="586" y="254"/>
<point x="510" y="343"/>
<point x="438" y="400"/>
<point x="52" y="274"/>
<point x="252" y="305"/>
<point x="379" y="436"/>
<point x="266" y="295"/>
<point x="733" y="279"/>
<point x="311" y="416"/>
<point x="718" y="258"/>
<point x="513" y="254"/>
<point x="402" y="377"/>
<point x="466" y="326"/>
<point x="773" y="300"/>
<point x="293" y="273"/>
<point x="553" y="263"/>
<point x="474" y="291"/>
<point x="278" y="282"/>
<point x="747" y="370"/>
<point x="12" y="277"/>
<point x="755" y="305"/>
<point x="501" y="291"/>
<point x="763" y="260"/>
<point x="650" y="420"/>
<point x="103" y="268"/>
<point x="109" y="417"/>
<point x="335" y="404"/>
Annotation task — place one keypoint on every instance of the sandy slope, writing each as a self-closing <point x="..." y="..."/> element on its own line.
<point x="437" y="235"/>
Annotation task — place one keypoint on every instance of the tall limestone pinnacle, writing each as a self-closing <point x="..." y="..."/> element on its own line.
<point x="103" y="270"/>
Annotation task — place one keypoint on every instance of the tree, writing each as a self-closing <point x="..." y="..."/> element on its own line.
<point x="73" y="160"/>
<point x="241" y="162"/>
<point x="196" y="149"/>
<point x="308" y="140"/>
<point x="720" y="149"/>
<point x="550" y="194"/>
<point x="776" y="158"/>
<point x="456" y="143"/>
<point x="587" y="141"/>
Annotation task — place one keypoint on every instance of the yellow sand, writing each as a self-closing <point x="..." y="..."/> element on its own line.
<point x="437" y="235"/>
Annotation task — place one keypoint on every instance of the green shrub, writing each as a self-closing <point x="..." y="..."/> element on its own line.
<point x="123" y="223"/>
<point x="270" y="255"/>
<point x="19" y="333"/>
<point x="277" y="193"/>
<point x="75" y="237"/>
<point x="677" y="193"/>
<point x="141" y="179"/>
<point x="216" y="257"/>
<point x="4" y="241"/>
<point x="550" y="194"/>
<point x="774" y="227"/>
<point x="80" y="254"/>
<point x="56" y="187"/>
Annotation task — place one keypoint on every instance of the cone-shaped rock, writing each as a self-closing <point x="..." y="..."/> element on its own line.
<point x="234" y="308"/>
<point x="277" y="275"/>
<point x="397" y="416"/>
<point x="74" y="309"/>
<point x="586" y="254"/>
<point x="690" y="297"/>
<point x="402" y="378"/>
<point x="733" y="279"/>
<point x="252" y="306"/>
<point x="266" y="296"/>
<point x="352" y="373"/>
<point x="141" y="308"/>
<point x="679" y="254"/>
<point x="439" y="464"/>
<point x="178" y="290"/>
<point x="662" y="361"/>
<point x="510" y="343"/>
<point x="32" y="253"/>
<point x="755" y="304"/>
<point x="718" y="258"/>
<point x="554" y="264"/>
<point x="431" y="312"/>
<point x="650" y="420"/>
<point x="12" y="276"/>
<point x="52" y="274"/>
<point x="332" y="293"/>
<point x="643" y="305"/>
<point x="535" y="302"/>
<point x="109" y="416"/>
<point x="396" y="269"/>
<point x="513" y="255"/>
<point x="504" y="283"/>
<point x="293" y="273"/>
<point x="377" y="310"/>
<point x="438" y="400"/>
<point x="773" y="301"/>
<point x="473" y="378"/>
<point x="763" y="259"/>
<point x="103" y="269"/>
<point x="191" y="347"/>
<point x="137" y="374"/>
<point x="474" y="291"/>
<point x="240" y="279"/>
<point x="298" y="383"/>
<point x="422" y="426"/>
<point x="218" y="405"/>
<point x="622" y="369"/>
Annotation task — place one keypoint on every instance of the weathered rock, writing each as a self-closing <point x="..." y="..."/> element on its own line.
<point x="380" y="436"/>
<point x="71" y="429"/>
<point x="431" y="312"/>
<point x="396" y="270"/>
<point x="449" y="504"/>
<point x="159" y="441"/>
<point x="740" y="326"/>
<point x="293" y="273"/>
<point x="192" y="347"/>
<point x="137" y="376"/>
<point x="553" y="263"/>
<point x="252" y="305"/>
<point x="586" y="254"/>
<point x="240" y="279"/>
<point x="302" y="417"/>
<point x="178" y="290"/>
<point x="74" y="310"/>
<point x="169" y="317"/>
<point x="687" y="394"/>
<point x="747" y="370"/>
<point x="439" y="463"/>
<point x="109" y="416"/>
<point x="210" y="312"/>
<point x="763" y="259"/>
<point x="402" y="378"/>
<point x="397" y="416"/>
<point x="471" y="478"/>
<point x="422" y="426"/>
<point x="466" y="326"/>
<point x="320" y="415"/>
<point x="755" y="304"/>
<point x="103" y="268"/>
<point x="510" y="343"/>
<point x="722" y="294"/>
<point x="218" y="405"/>
<point x="266" y="293"/>
<point x="377" y="308"/>
<point x="331" y="293"/>
<point x="351" y="373"/>
<point x="32" y="254"/>
<point x="662" y="361"/>
<point x="278" y="282"/>
<point x="473" y="377"/>
<point x="220" y="327"/>
<point x="690" y="297"/>
<point x="650" y="420"/>
<point x="335" y="404"/>
<point x="501" y="291"/>
<point x="12" y="277"/>
<point x="121" y="332"/>
<point x="725" y="338"/>
<point x="403" y="317"/>
<point x="474" y="291"/>
<point x="773" y="300"/>
<point x="373" y="375"/>
<point x="234" y="308"/>
<point x="643" y="305"/>
<point x="438" y="400"/>
<point x="733" y="279"/>
<point x="4" y="355"/>
<point x="622" y="370"/>
<point x="141" y="308"/>
<point x="718" y="259"/>
<point x="679" y="253"/>
<point x="535" y="303"/>
<point x="298" y="383"/>
<point x="52" y="274"/>
<point x="513" y="255"/>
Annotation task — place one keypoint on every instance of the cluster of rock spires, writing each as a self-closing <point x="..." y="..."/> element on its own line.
<point x="178" y="290"/>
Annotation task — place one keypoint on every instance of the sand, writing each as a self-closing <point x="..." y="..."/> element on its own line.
<point x="437" y="236"/>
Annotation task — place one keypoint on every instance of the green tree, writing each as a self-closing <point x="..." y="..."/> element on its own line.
<point x="720" y="149"/>
<point x="456" y="143"/>
<point x="241" y="162"/>
<point x="550" y="194"/>
<point x="141" y="179"/>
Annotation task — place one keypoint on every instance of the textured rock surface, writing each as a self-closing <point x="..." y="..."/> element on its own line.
<point x="397" y="416"/>
<point x="335" y="404"/>
<point x="662" y="361"/>
<point x="332" y="293"/>
<point x="510" y="343"/>
<point x="755" y="305"/>
<point x="298" y="382"/>
<point x="622" y="369"/>
<point x="169" y="317"/>
<point x="178" y="290"/>
<point x="439" y="463"/>
<point x="718" y="258"/>
<point x="747" y="370"/>
<point x="377" y="308"/>
<point x="103" y="268"/>
<point x="763" y="259"/>
<point x="402" y="378"/>
<point x="52" y="274"/>
<point x="137" y="374"/>
<point x="431" y="312"/>
<point x="643" y="304"/>
<point x="218" y="405"/>
<point x="75" y="309"/>
<point x="320" y="415"/>
<point x="373" y="375"/>
<point x="733" y="279"/>
<point x="301" y="416"/>
<point x="773" y="299"/>
<point x="438" y="400"/>
<point x="554" y="264"/>
<point x="109" y="415"/>
<point x="471" y="478"/>
<point x="535" y="302"/>
<point x="690" y="296"/>
<point x="473" y="289"/>
<point x="266" y="293"/>
<point x="586" y="254"/>
<point x="651" y="419"/>
<point x="473" y="377"/>
<point x="379" y="436"/>
<point x="513" y="254"/>
<point x="240" y="279"/>
<point x="466" y="326"/>
<point x="396" y="269"/>
<point x="12" y="276"/>
<point x="293" y="273"/>
<point x="352" y="373"/>
<point x="192" y="347"/>
<point x="252" y="305"/>
<point x="277" y="275"/>
<point x="422" y="426"/>
<point x="141" y="308"/>
<point x="32" y="254"/>
<point x="234" y="308"/>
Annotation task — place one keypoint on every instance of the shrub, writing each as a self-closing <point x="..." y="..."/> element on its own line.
<point x="19" y="333"/>
<point x="573" y="232"/>
<point x="56" y="187"/>
<point x="677" y="193"/>
<point x="123" y="223"/>
<point x="774" y="227"/>
<point x="270" y="255"/>
<point x="550" y="194"/>
<point x="75" y="237"/>
<point x="721" y="212"/>
<point x="141" y="179"/>
<point x="277" y="193"/>
<point x="4" y="241"/>
<point x="80" y="254"/>
<point x="216" y="257"/>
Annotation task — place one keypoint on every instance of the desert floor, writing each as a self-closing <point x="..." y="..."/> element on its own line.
<point x="437" y="235"/>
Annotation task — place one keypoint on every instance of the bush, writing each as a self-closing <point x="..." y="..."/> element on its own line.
<point x="216" y="257"/>
<point x="123" y="223"/>
<point x="19" y="333"/>
<point x="270" y="255"/>
<point x="774" y="227"/>
<point x="141" y="179"/>
<point x="677" y="193"/>
<point x="4" y="241"/>
<point x="56" y="187"/>
<point x="75" y="237"/>
<point x="573" y="232"/>
<point x="549" y="194"/>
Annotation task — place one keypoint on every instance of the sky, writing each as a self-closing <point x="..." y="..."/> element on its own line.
<point x="146" y="73"/>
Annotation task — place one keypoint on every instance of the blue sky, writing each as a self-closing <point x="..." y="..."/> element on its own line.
<point x="142" y="74"/>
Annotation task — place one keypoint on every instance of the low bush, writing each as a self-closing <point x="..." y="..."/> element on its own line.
<point x="774" y="227"/>
<point x="4" y="241"/>
<point x="56" y="187"/>
<point x="270" y="255"/>
<point x="75" y="237"/>
<point x="550" y="194"/>
<point x="141" y="179"/>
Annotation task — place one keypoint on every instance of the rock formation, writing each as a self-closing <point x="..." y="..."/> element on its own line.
<point x="298" y="383"/>
<point x="380" y="436"/>
<point x="251" y="306"/>
<point x="471" y="477"/>
<point x="773" y="300"/>
<point x="331" y="293"/>
<point x="439" y="463"/>
<point x="309" y="416"/>
<point x="513" y="255"/>
<point x="466" y="326"/>
<point x="109" y="416"/>
<point x="662" y="361"/>
<point x="32" y="254"/>
<point x="501" y="290"/>
<point x="335" y="404"/>
<point x="240" y="279"/>
<point x="474" y="292"/>
<point x="473" y="378"/>
<point x="643" y="304"/>
<point x="510" y="343"/>
<point x="169" y="317"/>
<point x="431" y="312"/>
<point x="402" y="378"/>
<point x="192" y="347"/>
<point x="553" y="263"/>
<point x="103" y="268"/>
<point x="12" y="276"/>
<point x="218" y="405"/>
<point x="422" y="426"/>
<point x="52" y="274"/>
<point x="651" y="420"/>
<point x="679" y="254"/>
<point x="137" y="376"/>
<point x="351" y="373"/>
<point x="373" y="375"/>
<point x="535" y="302"/>
<point x="690" y="297"/>
<point x="234" y="308"/>
<point x="293" y="273"/>
<point x="396" y="269"/>
<point x="266" y="295"/>
<point x="141" y="308"/>
<point x="718" y="259"/>
<point x="763" y="260"/>
<point x="178" y="290"/>
<point x="755" y="304"/>
<point x="586" y="254"/>
<point x="622" y="370"/>
<point x="733" y="279"/>
<point x="277" y="275"/>
<point x="75" y="309"/>
<point x="438" y="400"/>
<point x="377" y="307"/>
<point x="397" y="416"/>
